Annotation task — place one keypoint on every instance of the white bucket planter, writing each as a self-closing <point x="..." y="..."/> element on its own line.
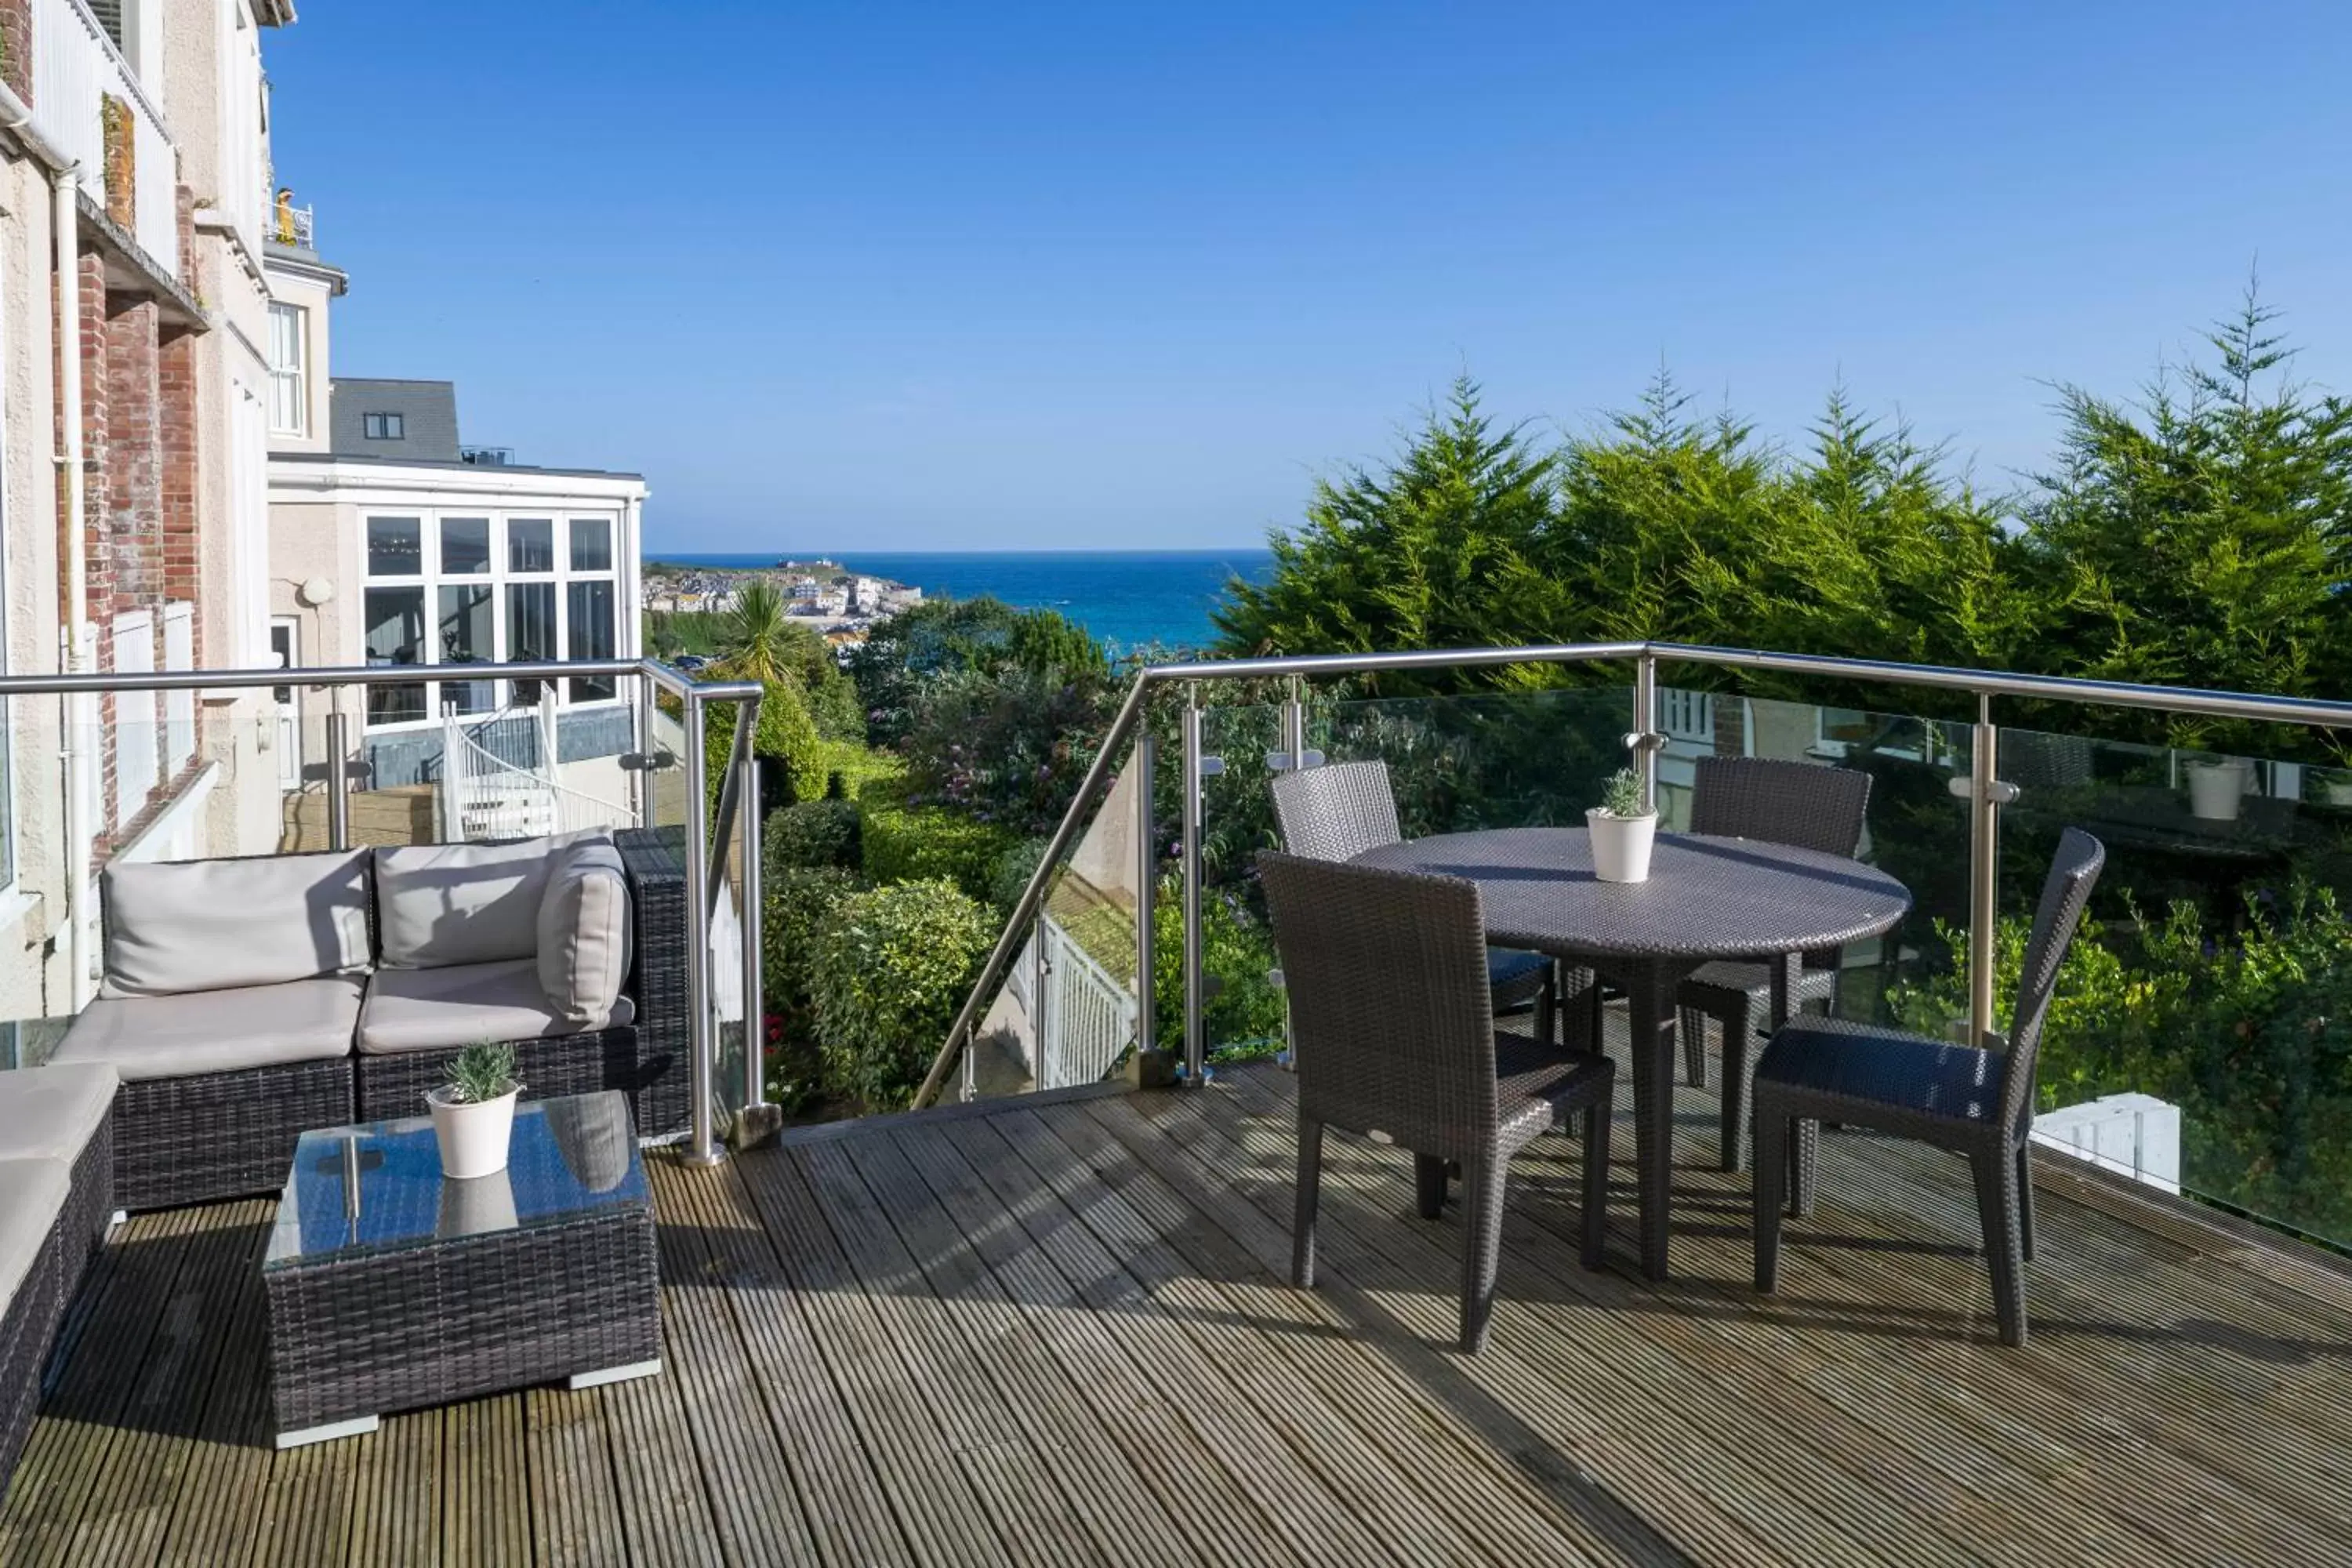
<point x="2339" y="792"/>
<point x="1621" y="845"/>
<point x="2215" y="790"/>
<point x="473" y="1134"/>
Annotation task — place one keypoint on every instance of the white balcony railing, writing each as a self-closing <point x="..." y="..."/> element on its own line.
<point x="76" y="67"/>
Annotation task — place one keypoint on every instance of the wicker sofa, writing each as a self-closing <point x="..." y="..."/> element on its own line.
<point x="248" y="1001"/>
<point x="57" y="1198"/>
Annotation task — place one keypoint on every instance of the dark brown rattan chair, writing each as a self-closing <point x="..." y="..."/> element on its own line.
<point x="1978" y="1103"/>
<point x="1801" y="804"/>
<point x="1338" y="810"/>
<point x="1396" y="1036"/>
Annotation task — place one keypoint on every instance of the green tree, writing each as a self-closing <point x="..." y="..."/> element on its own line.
<point x="2200" y="538"/>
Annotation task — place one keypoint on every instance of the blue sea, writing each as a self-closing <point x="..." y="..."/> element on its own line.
<point x="1127" y="598"/>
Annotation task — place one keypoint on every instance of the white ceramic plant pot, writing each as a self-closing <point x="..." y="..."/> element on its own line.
<point x="473" y="1134"/>
<point x="1621" y="845"/>
<point x="2215" y="789"/>
<point x="2339" y="792"/>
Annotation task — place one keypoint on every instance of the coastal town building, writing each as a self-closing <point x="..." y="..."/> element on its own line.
<point x="134" y="167"/>
<point x="394" y="542"/>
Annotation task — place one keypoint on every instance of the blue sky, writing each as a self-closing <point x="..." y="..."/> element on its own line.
<point x="967" y="276"/>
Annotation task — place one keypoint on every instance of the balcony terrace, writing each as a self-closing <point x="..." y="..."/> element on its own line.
<point x="1054" y="1322"/>
<point x="1060" y="1331"/>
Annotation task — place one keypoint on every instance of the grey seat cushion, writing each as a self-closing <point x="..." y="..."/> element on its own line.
<point x="218" y="1031"/>
<point x="443" y="1009"/>
<point x="32" y="1196"/>
<point x="584" y="934"/>
<point x="51" y="1112"/>
<point x="217" y="925"/>
<point x="440" y="904"/>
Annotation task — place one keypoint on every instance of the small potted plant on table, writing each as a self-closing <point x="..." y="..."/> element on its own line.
<point x="1623" y="827"/>
<point x="473" y="1114"/>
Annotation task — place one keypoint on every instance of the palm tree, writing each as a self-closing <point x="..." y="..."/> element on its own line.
<point x="755" y="644"/>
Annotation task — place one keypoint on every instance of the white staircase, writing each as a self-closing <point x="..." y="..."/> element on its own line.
<point x="484" y="797"/>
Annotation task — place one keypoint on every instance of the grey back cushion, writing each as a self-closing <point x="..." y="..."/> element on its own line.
<point x="440" y="904"/>
<point x="214" y="925"/>
<point x="584" y="934"/>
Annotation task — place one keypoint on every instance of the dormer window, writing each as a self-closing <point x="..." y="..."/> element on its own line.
<point x="384" y="426"/>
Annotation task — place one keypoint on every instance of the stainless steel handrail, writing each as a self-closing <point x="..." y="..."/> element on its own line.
<point x="1984" y="684"/>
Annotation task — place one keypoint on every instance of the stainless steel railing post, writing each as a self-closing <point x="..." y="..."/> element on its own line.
<point x="339" y="774"/>
<point x="759" y="1119"/>
<point x="1196" y="1021"/>
<point x="1984" y="871"/>
<point x="1294" y="723"/>
<point x="1144" y="760"/>
<point x="702" y="1145"/>
<point x="1645" y="741"/>
<point x="648" y="748"/>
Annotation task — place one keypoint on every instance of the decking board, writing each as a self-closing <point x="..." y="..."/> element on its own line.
<point x="1060" y="1330"/>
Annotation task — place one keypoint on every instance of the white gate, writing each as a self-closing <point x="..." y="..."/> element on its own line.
<point x="1085" y="1019"/>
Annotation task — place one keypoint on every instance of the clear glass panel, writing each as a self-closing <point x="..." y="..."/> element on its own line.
<point x="530" y="544"/>
<point x="464" y="546"/>
<point x="1916" y="831"/>
<point x="467" y="637"/>
<point x="592" y="544"/>
<point x="395" y="546"/>
<point x="1066" y="1012"/>
<point x="2200" y="1039"/>
<point x="588" y="633"/>
<point x="531" y="631"/>
<point x="395" y="635"/>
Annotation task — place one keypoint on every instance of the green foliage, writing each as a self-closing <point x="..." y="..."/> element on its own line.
<point x="814" y="832"/>
<point x="1014" y="868"/>
<point x="481" y="1071"/>
<point x="1009" y="747"/>
<point x="1237" y="949"/>
<point x="785" y="732"/>
<point x="1622" y="795"/>
<point x="2205" y="537"/>
<point x="905" y="842"/>
<point x="892" y="966"/>
<point x="942" y="637"/>
<point x="2251" y="1034"/>
<point x="798" y="902"/>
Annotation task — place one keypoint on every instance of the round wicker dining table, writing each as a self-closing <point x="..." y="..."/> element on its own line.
<point x="1707" y="899"/>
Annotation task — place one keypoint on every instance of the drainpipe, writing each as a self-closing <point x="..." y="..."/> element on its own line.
<point x="81" y="715"/>
<point x="77" y="715"/>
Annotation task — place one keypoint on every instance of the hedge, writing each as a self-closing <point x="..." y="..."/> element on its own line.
<point x="799" y="903"/>
<point x="785" y="732"/>
<point x="907" y="842"/>
<point x="891" y="968"/>
<point x="814" y="832"/>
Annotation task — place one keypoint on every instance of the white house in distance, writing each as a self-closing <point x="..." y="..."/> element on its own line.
<point x="393" y="541"/>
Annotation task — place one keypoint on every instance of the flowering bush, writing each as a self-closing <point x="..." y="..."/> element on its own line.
<point x="1008" y="748"/>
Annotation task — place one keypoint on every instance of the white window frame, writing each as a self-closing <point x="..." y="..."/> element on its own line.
<point x="430" y="579"/>
<point x="289" y="384"/>
<point x="135" y="739"/>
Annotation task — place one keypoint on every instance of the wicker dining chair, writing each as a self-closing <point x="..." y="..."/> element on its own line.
<point x="1338" y="810"/>
<point x="1396" y="1030"/>
<point x="1974" y="1102"/>
<point x="1799" y="804"/>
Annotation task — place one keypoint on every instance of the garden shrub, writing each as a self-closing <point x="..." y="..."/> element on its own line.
<point x="797" y="903"/>
<point x="786" y="734"/>
<point x="1244" y="1009"/>
<point x="906" y="843"/>
<point x="892" y="966"/>
<point x="2249" y="1033"/>
<point x="1014" y="868"/>
<point x="1008" y="746"/>
<point x="816" y="833"/>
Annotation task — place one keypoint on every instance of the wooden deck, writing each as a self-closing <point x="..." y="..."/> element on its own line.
<point x="1058" y="1333"/>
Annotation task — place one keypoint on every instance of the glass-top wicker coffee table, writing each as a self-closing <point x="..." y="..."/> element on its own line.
<point x="390" y="1287"/>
